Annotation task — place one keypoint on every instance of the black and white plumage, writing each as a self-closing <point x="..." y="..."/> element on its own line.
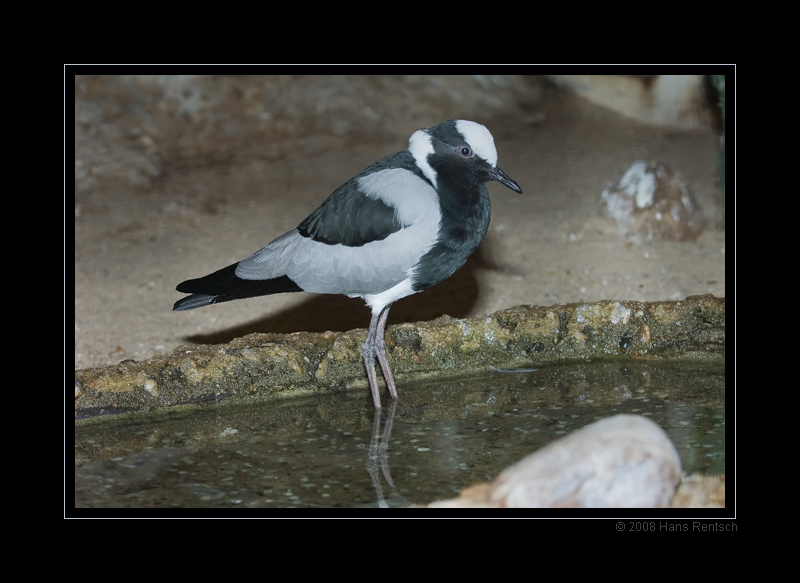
<point x="405" y="223"/>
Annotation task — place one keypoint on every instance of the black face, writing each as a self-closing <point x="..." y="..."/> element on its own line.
<point x="457" y="162"/>
<point x="455" y="158"/>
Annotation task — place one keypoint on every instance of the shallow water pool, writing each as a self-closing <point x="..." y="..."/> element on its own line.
<point x="440" y="437"/>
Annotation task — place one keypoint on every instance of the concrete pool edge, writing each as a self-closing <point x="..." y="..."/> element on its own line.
<point x="273" y="366"/>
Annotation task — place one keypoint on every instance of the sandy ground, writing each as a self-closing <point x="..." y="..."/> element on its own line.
<point x="134" y="242"/>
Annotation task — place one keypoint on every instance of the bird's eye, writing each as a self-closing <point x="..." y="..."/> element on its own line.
<point x="464" y="151"/>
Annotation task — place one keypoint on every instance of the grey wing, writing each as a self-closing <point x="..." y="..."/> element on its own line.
<point x="364" y="239"/>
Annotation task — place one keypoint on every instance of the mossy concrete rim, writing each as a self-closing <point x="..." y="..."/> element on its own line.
<point x="269" y="366"/>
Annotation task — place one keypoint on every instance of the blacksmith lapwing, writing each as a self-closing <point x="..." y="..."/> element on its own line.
<point x="405" y="223"/>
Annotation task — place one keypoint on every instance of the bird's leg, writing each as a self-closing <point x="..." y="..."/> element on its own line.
<point x="368" y="352"/>
<point x="374" y="347"/>
<point x="380" y="351"/>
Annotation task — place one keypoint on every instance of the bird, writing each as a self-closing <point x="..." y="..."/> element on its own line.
<point x="400" y="226"/>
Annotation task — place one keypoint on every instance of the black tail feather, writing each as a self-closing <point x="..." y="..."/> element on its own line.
<point x="224" y="286"/>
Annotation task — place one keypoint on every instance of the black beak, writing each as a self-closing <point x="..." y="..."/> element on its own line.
<point x="503" y="179"/>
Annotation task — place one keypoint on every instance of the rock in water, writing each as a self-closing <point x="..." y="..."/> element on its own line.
<point x="626" y="461"/>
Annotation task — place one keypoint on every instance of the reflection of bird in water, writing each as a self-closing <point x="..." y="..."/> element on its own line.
<point x="378" y="455"/>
